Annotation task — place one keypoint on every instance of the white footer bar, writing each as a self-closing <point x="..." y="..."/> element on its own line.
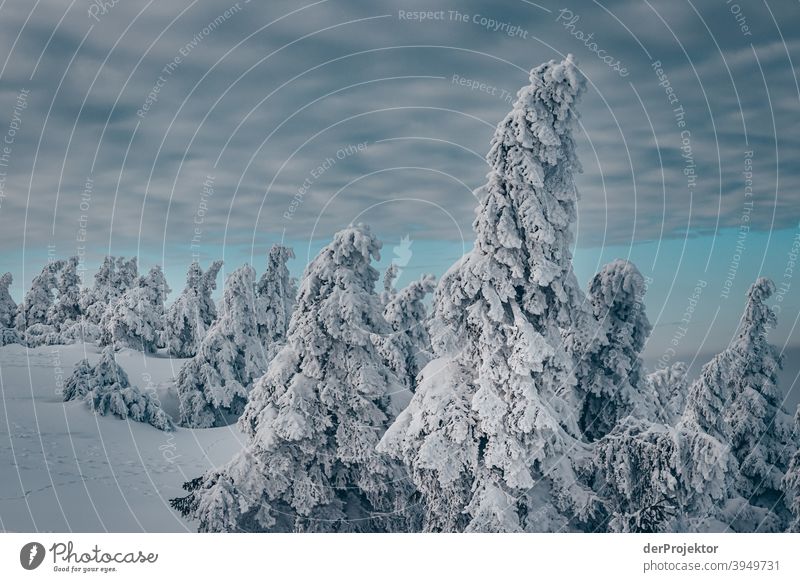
<point x="415" y="557"/>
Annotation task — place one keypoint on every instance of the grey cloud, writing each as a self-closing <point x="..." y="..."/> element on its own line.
<point x="380" y="112"/>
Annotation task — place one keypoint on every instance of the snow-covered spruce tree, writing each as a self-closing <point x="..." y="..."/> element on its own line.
<point x="407" y="348"/>
<point x="491" y="435"/>
<point x="136" y="320"/>
<point x="609" y="371"/>
<point x="114" y="277"/>
<point x="314" y="418"/>
<point x="51" y="312"/>
<point x="684" y="473"/>
<point x="8" y="308"/>
<point x="8" y="312"/>
<point x="80" y="382"/>
<point x="51" y="304"/>
<point x="666" y="391"/>
<point x="275" y="294"/>
<point x="37" y="301"/>
<point x="658" y="478"/>
<point x="193" y="312"/>
<point x="66" y="309"/>
<point x="656" y="473"/>
<point x="389" y="278"/>
<point x="213" y="385"/>
<point x="107" y="390"/>
<point x="791" y="482"/>
<point x="737" y="400"/>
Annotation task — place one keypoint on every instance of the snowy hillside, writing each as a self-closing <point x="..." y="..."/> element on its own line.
<point x="106" y="474"/>
<point x="65" y="469"/>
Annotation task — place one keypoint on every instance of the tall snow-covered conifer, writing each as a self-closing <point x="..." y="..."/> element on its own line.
<point x="737" y="400"/>
<point x="51" y="305"/>
<point x="389" y="277"/>
<point x="695" y="472"/>
<point x="193" y="312"/>
<point x="114" y="277"/>
<point x="213" y="385"/>
<point x="275" y="294"/>
<point x="407" y="348"/>
<point x="491" y="435"/>
<point x="136" y="320"/>
<point x="791" y="481"/>
<point x="8" y="311"/>
<point x="314" y="418"/>
<point x="8" y="308"/>
<point x="38" y="301"/>
<point x="667" y="389"/>
<point x="66" y="310"/>
<point x="609" y="371"/>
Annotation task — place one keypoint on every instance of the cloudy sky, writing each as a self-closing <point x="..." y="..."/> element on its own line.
<point x="170" y="130"/>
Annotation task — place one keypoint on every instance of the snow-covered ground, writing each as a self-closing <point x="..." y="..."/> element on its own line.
<point x="64" y="469"/>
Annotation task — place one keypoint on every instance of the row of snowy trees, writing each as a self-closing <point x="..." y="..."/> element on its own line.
<point x="121" y="308"/>
<point x="213" y="386"/>
<point x="227" y="351"/>
<point x="520" y="404"/>
<point x="56" y="310"/>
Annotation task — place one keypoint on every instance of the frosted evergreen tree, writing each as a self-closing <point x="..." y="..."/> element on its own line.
<point x="8" y="312"/>
<point x="314" y="418"/>
<point x="737" y="400"/>
<point x="38" y="300"/>
<point x="8" y="308"/>
<point x="609" y="371"/>
<point x="114" y="277"/>
<point x="491" y="435"/>
<point x="666" y="390"/>
<point x="136" y="320"/>
<point x="407" y="348"/>
<point x="275" y="294"/>
<point x="791" y="485"/>
<point x="214" y="384"/>
<point x="51" y="309"/>
<point x="658" y="478"/>
<point x="33" y="320"/>
<point x="107" y="390"/>
<point x="791" y="482"/>
<point x="66" y="309"/>
<point x="80" y="331"/>
<point x="80" y="382"/>
<point x="193" y="312"/>
<point x="389" y="278"/>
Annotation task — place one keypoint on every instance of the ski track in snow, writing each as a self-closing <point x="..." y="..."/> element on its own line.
<point x="107" y="474"/>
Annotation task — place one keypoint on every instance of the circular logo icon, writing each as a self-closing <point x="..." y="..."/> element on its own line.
<point x="31" y="555"/>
